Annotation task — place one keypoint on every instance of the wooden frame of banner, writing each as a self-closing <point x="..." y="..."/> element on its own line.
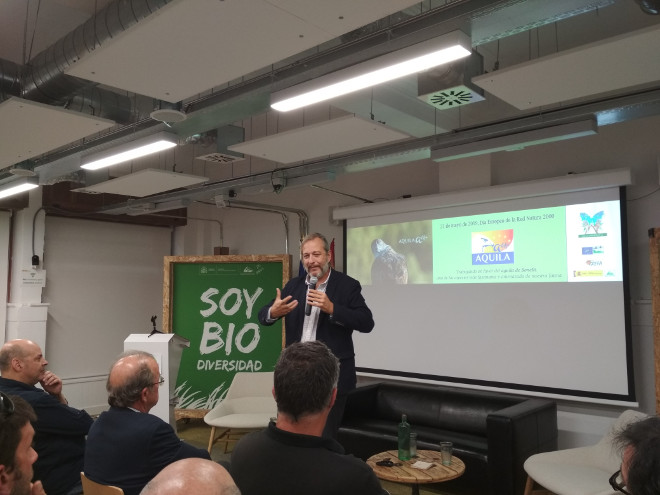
<point x="170" y="261"/>
<point x="654" y="255"/>
<point x="285" y="259"/>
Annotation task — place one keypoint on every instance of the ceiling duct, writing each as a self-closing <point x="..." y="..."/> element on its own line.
<point x="450" y="86"/>
<point x="43" y="79"/>
<point x="651" y="7"/>
<point x="23" y="169"/>
<point x="10" y="79"/>
<point x="226" y="136"/>
<point x="511" y="17"/>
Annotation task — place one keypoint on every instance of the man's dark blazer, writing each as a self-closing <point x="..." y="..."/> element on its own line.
<point x="126" y="448"/>
<point x="350" y="313"/>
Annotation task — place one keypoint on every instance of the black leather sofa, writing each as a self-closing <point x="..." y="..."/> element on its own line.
<point x="492" y="433"/>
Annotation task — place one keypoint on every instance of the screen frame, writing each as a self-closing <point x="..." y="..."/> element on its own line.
<point x="600" y="180"/>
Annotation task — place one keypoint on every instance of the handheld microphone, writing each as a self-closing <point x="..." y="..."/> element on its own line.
<point x="312" y="285"/>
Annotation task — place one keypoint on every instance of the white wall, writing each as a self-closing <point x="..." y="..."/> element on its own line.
<point x="5" y="223"/>
<point x="104" y="282"/>
<point x="81" y="342"/>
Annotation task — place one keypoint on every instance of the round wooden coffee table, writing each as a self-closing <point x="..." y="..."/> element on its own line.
<point x="413" y="476"/>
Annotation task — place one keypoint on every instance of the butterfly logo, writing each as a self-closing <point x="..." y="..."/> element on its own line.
<point x="594" y="223"/>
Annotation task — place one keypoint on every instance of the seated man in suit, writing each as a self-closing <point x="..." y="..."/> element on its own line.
<point x="16" y="453"/>
<point x="192" y="476"/>
<point x="291" y="455"/>
<point x="60" y="429"/>
<point x="126" y="446"/>
<point x="640" y="466"/>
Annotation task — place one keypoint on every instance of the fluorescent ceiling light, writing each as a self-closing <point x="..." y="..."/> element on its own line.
<point x="19" y="186"/>
<point x="130" y="151"/>
<point x="518" y="141"/>
<point x="415" y="58"/>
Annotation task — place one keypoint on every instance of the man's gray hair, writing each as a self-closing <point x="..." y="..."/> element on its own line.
<point x="127" y="393"/>
<point x="315" y="235"/>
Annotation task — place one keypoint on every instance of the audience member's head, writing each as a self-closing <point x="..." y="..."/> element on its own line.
<point x="16" y="452"/>
<point x="640" y="465"/>
<point x="189" y="476"/>
<point x="133" y="381"/>
<point x="23" y="361"/>
<point x="305" y="381"/>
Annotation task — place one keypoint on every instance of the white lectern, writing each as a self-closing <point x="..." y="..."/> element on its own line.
<point x="167" y="348"/>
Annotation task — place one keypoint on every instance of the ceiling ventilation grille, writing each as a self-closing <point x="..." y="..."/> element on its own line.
<point x="225" y="137"/>
<point x="450" y="86"/>
<point x="220" y="158"/>
<point x="452" y="98"/>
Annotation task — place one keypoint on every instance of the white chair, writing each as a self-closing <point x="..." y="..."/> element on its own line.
<point x="582" y="470"/>
<point x="248" y="405"/>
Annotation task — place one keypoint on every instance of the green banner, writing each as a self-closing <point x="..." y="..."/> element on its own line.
<point x="215" y="306"/>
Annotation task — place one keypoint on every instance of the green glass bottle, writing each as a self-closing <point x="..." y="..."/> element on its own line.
<point x="404" y="439"/>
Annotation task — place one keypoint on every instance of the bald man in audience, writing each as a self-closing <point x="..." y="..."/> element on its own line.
<point x="126" y="446"/>
<point x="191" y="476"/>
<point x="59" y="430"/>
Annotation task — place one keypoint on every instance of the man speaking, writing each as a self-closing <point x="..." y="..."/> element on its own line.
<point x="327" y="310"/>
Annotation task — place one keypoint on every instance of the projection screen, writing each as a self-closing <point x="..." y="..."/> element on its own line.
<point x="525" y="290"/>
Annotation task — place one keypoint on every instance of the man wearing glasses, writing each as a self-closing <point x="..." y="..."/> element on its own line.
<point x="126" y="447"/>
<point x="640" y="466"/>
<point x="16" y="453"/>
<point x="59" y="430"/>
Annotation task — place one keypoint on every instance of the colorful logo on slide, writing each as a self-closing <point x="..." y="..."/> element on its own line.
<point x="589" y="250"/>
<point x="492" y="247"/>
<point x="587" y="273"/>
<point x="593" y="223"/>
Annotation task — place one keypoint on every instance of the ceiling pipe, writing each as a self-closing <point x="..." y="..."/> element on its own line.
<point x="608" y="111"/>
<point x="10" y="79"/>
<point x="87" y="99"/>
<point x="303" y="219"/>
<point x="451" y="15"/>
<point x="651" y="7"/>
<point x="44" y="80"/>
<point x="285" y="219"/>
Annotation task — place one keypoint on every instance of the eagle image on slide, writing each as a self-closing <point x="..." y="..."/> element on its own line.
<point x="388" y="266"/>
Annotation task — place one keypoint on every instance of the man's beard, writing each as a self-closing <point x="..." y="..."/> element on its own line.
<point x="22" y="485"/>
<point x="324" y="269"/>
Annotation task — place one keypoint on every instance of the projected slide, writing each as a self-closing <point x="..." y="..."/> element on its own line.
<point x="515" y="293"/>
<point x="574" y="243"/>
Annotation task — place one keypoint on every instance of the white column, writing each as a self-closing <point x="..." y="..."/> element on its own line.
<point x="26" y="314"/>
